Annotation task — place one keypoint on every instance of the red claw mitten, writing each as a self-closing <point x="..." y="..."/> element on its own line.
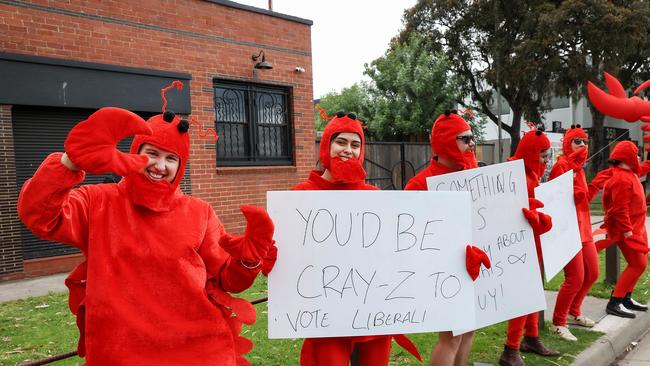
<point x="599" y="182"/>
<point x="92" y="144"/>
<point x="257" y="240"/>
<point x="474" y="257"/>
<point x="269" y="261"/>
<point x="578" y="159"/>
<point x="539" y="221"/>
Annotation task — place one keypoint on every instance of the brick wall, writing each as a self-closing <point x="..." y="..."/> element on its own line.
<point x="11" y="259"/>
<point x="202" y="38"/>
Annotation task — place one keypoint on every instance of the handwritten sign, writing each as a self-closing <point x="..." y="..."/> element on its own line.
<point x="562" y="242"/>
<point x="513" y="286"/>
<point x="369" y="262"/>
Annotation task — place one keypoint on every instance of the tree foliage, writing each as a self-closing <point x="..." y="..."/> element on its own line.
<point x="534" y="50"/>
<point x="596" y="36"/>
<point x="355" y="98"/>
<point x="492" y="44"/>
<point x="411" y="87"/>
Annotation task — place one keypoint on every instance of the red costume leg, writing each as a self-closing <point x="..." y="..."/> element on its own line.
<point x="636" y="264"/>
<point x="515" y="331"/>
<point x="574" y="273"/>
<point x="326" y="352"/>
<point x="591" y="270"/>
<point x="375" y="352"/>
<point x="531" y="325"/>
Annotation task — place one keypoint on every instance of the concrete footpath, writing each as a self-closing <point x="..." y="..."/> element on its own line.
<point x="621" y="335"/>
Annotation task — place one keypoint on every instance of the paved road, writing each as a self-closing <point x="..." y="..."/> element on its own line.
<point x="640" y="355"/>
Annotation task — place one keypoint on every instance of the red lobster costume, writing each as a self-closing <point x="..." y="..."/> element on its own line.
<point x="529" y="150"/>
<point x="348" y="175"/>
<point x="444" y="132"/>
<point x="154" y="289"/>
<point x="582" y="271"/>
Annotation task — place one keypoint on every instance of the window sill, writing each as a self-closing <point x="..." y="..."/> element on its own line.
<point x="238" y="170"/>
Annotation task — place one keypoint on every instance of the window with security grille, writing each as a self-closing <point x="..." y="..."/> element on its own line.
<point x="254" y="125"/>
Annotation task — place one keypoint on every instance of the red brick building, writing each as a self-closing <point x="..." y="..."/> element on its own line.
<point x="62" y="60"/>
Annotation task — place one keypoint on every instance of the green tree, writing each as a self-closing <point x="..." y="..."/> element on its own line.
<point x="411" y="87"/>
<point x="597" y="36"/>
<point x="492" y="44"/>
<point x="356" y="99"/>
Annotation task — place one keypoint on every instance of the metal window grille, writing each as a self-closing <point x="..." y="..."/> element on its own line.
<point x="253" y="122"/>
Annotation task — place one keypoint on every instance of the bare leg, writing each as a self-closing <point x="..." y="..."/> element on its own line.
<point x="462" y="355"/>
<point x="444" y="352"/>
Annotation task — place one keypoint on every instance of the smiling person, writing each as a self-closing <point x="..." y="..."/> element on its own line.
<point x="341" y="154"/>
<point x="159" y="268"/>
<point x="453" y="145"/>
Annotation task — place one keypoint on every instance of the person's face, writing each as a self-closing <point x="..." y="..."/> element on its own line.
<point x="579" y="143"/>
<point x="163" y="164"/>
<point x="545" y="156"/>
<point x="465" y="141"/>
<point x="346" y="145"/>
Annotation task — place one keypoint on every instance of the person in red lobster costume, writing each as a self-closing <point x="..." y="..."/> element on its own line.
<point x="582" y="271"/>
<point x="159" y="268"/>
<point x="533" y="149"/>
<point x="625" y="214"/>
<point x="341" y="154"/>
<point x="452" y="144"/>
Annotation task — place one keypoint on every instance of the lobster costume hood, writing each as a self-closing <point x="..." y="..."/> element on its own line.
<point x="169" y="132"/>
<point x="533" y="142"/>
<point x="575" y="132"/>
<point x="443" y="140"/>
<point x="348" y="171"/>
<point x="626" y="152"/>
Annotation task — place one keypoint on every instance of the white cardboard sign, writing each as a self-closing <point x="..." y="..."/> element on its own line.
<point x="562" y="242"/>
<point x="513" y="286"/>
<point x="369" y="262"/>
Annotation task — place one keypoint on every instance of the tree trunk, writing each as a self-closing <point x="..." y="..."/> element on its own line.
<point x="598" y="160"/>
<point x="515" y="133"/>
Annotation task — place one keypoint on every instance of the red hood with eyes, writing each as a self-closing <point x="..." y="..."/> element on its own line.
<point x="443" y="140"/>
<point x="334" y="126"/>
<point x="569" y="135"/>
<point x="529" y="149"/>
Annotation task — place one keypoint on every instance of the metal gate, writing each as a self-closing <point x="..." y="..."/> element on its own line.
<point x="390" y="165"/>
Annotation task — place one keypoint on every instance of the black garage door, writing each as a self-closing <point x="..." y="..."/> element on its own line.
<point x="39" y="131"/>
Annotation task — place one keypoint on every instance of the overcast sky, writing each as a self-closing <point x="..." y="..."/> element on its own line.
<point x="345" y="35"/>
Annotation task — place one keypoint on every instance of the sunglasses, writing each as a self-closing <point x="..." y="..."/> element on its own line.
<point x="466" y="139"/>
<point x="581" y="141"/>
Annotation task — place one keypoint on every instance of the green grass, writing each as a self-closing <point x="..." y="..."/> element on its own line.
<point x="602" y="289"/>
<point x="29" y="331"/>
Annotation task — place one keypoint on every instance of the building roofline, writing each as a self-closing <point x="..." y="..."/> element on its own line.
<point x="253" y="9"/>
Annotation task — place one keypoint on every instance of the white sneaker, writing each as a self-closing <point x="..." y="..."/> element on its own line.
<point x="563" y="332"/>
<point x="580" y="320"/>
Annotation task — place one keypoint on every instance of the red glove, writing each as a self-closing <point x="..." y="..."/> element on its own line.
<point x="474" y="257"/>
<point x="269" y="261"/>
<point x="91" y="144"/>
<point x="540" y="222"/>
<point x="545" y="223"/>
<point x="578" y="158"/>
<point x="257" y="240"/>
